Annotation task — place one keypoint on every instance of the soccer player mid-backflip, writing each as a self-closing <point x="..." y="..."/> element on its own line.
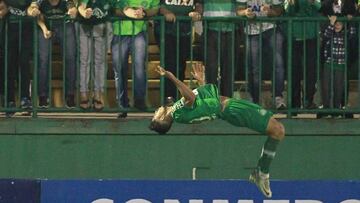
<point x="204" y="103"/>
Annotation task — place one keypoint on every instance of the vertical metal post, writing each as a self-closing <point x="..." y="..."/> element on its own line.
<point x="358" y="64"/>
<point x="191" y="49"/>
<point x="49" y="76"/>
<point x="6" y="55"/>
<point x="274" y="67"/>
<point x="247" y="47"/>
<point x="146" y="59"/>
<point x="233" y="45"/>
<point x="318" y="57"/>
<point x="304" y="59"/>
<point x="218" y="42"/>
<point x="34" y="87"/>
<point x="346" y="63"/>
<point x="289" y="66"/>
<point x="64" y="63"/>
<point x="260" y="47"/>
<point x="162" y="58"/>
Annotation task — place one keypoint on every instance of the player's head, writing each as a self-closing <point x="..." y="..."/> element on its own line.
<point x="162" y="120"/>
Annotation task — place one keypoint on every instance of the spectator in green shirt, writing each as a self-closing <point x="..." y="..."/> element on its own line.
<point x="130" y="37"/>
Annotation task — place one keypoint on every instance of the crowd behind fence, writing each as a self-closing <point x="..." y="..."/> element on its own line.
<point x="263" y="68"/>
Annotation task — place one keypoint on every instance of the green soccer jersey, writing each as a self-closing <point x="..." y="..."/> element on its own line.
<point x="216" y="8"/>
<point x="207" y="106"/>
<point x="303" y="8"/>
<point x="127" y="27"/>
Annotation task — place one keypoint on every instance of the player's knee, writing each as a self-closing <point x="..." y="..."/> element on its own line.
<point x="278" y="131"/>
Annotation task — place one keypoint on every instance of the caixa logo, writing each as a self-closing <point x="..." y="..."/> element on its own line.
<point x="220" y="201"/>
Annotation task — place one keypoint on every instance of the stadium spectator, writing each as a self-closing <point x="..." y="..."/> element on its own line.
<point x="271" y="35"/>
<point x="93" y="35"/>
<point x="344" y="8"/>
<point x="219" y="41"/>
<point x="205" y="103"/>
<point x="19" y="55"/>
<point x="51" y="23"/>
<point x="130" y="37"/>
<point x="333" y="77"/>
<point x="176" y="46"/>
<point x="304" y="40"/>
<point x="2" y="54"/>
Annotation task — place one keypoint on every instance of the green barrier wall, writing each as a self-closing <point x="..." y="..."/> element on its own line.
<point x="49" y="150"/>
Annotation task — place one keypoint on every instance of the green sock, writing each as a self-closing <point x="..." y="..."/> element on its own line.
<point x="267" y="154"/>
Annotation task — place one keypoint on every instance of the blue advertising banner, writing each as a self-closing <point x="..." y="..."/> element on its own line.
<point x="19" y="191"/>
<point x="227" y="191"/>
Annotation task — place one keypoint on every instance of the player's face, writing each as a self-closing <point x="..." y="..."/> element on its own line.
<point x="160" y="113"/>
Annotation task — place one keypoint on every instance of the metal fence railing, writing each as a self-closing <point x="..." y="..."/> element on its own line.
<point x="259" y="67"/>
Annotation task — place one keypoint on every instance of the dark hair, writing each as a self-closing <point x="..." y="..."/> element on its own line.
<point x="348" y="7"/>
<point x="161" y="127"/>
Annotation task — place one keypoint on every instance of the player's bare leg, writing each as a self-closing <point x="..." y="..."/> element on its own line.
<point x="275" y="129"/>
<point x="260" y="176"/>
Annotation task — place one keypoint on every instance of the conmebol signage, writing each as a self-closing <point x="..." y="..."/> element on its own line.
<point x="227" y="191"/>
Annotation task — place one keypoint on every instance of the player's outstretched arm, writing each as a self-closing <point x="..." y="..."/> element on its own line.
<point x="185" y="91"/>
<point x="198" y="72"/>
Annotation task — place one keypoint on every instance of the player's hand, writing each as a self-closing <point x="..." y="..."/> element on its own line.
<point x="249" y="13"/>
<point x="72" y="12"/>
<point x="198" y="72"/>
<point x="3" y="9"/>
<point x="195" y="16"/>
<point x="162" y="71"/>
<point x="170" y="17"/>
<point x="47" y="34"/>
<point x="33" y="10"/>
